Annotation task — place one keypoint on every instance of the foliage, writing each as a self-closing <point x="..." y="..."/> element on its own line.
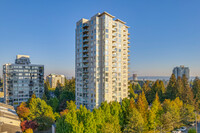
<point x="23" y="111"/>
<point x="192" y="130"/>
<point x="28" y="124"/>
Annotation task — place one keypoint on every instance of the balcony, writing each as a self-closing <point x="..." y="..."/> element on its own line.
<point x="85" y="30"/>
<point x="85" y="76"/>
<point x="85" y="40"/>
<point x="114" y="40"/>
<point x="85" y="81"/>
<point x="129" y="38"/>
<point x="128" y="46"/>
<point x="114" y="50"/>
<point x="114" y="60"/>
<point x="85" y="56"/>
<point x="114" y="30"/>
<point x="85" y="61"/>
<point x="85" y="87"/>
<point x="114" y="24"/>
<point x="114" y="55"/>
<point x="114" y="66"/>
<point x="85" y="51"/>
<point x="85" y="35"/>
<point x="128" y="42"/>
<point x="114" y="34"/>
<point x="114" y="45"/>
<point x="85" y="25"/>
<point x="85" y="45"/>
<point x="85" y="71"/>
<point x="128" y="34"/>
<point x="85" y="66"/>
<point x="85" y="91"/>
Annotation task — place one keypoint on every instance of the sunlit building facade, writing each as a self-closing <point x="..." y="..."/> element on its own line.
<point x="22" y="80"/>
<point x="102" y="52"/>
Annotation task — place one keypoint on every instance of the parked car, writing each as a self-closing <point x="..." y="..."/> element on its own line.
<point x="183" y="129"/>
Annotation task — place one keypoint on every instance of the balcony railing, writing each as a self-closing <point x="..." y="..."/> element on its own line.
<point x="114" y="40"/>
<point x="85" y="30"/>
<point x="85" y="35"/>
<point x="85" y="25"/>
<point x="85" y="61"/>
<point x="85" y="51"/>
<point x="85" y="56"/>
<point x="85" y="40"/>
<point x="85" y="45"/>
<point x="114" y="45"/>
<point x="114" y="29"/>
<point x="85" y="66"/>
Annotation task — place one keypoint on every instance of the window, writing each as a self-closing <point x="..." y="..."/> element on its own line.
<point x="106" y="30"/>
<point x="107" y="36"/>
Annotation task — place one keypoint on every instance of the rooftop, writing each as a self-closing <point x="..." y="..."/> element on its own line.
<point x="9" y="120"/>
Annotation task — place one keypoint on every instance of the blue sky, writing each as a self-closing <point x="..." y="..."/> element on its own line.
<point x="164" y="33"/>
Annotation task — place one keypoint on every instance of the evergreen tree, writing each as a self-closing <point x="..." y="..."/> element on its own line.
<point x="132" y="93"/>
<point x="187" y="92"/>
<point x="142" y="106"/>
<point x="135" y="122"/>
<point x="196" y="88"/>
<point x="172" y="91"/>
<point x="180" y="87"/>
<point x="155" y="114"/>
<point x="147" y="91"/>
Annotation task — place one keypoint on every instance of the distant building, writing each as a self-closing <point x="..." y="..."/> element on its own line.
<point x="135" y="77"/>
<point x="22" y="80"/>
<point x="9" y="120"/>
<point x="54" y="79"/>
<point x="180" y="71"/>
<point x="102" y="51"/>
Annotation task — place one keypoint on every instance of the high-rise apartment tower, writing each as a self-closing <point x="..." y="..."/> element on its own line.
<point x="22" y="80"/>
<point x="180" y="71"/>
<point x="101" y="60"/>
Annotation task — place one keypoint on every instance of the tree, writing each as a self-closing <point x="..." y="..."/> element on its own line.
<point x="196" y="88"/>
<point x="44" y="97"/>
<point x="132" y="93"/>
<point x="167" y="121"/>
<point x="187" y="113"/>
<point x="28" y="124"/>
<point x="142" y="106"/>
<point x="86" y="117"/>
<point x="135" y="122"/>
<point x="126" y="103"/>
<point x="23" y="111"/>
<point x="187" y="95"/>
<point x="29" y="130"/>
<point x="174" y="108"/>
<point x="69" y="122"/>
<point x="155" y="114"/>
<point x="172" y="91"/>
<point x="54" y="103"/>
<point x="147" y="91"/>
<point x="158" y="87"/>
<point x="41" y="112"/>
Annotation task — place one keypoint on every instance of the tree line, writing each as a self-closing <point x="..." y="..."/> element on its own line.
<point x="150" y="108"/>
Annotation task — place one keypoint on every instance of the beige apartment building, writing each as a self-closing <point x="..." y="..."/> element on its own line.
<point x="54" y="79"/>
<point x="101" y="60"/>
<point x="21" y="80"/>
